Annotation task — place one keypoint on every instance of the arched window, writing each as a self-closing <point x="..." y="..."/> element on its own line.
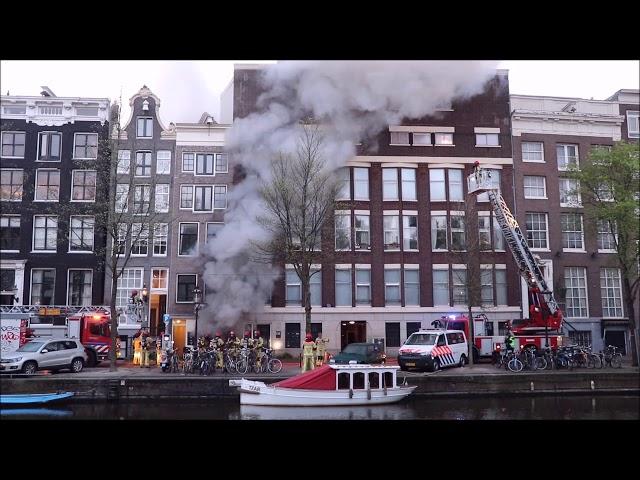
<point x="358" y="381"/>
<point x="374" y="380"/>
<point x="343" y="381"/>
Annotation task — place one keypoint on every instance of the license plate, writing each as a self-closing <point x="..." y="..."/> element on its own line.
<point x="410" y="364"/>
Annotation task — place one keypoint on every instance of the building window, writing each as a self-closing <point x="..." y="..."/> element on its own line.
<point x="204" y="164"/>
<point x="186" y="196"/>
<point x="408" y="184"/>
<point x="459" y="276"/>
<point x="494" y="180"/>
<point x="391" y="232"/>
<point x="392" y="334"/>
<point x="145" y="127"/>
<point x="188" y="162"/>
<point x="121" y="238"/>
<point x="141" y="199"/>
<point x="79" y="287"/>
<point x="611" y="292"/>
<point x="293" y="288"/>
<point x="362" y="232"/>
<point x="131" y="279"/>
<point x="580" y="337"/>
<point x="633" y="126"/>
<point x="363" y="286"/>
<point x="343" y="287"/>
<point x="399" y="138"/>
<point x="159" y="278"/>
<point x="390" y="184"/>
<point x="439" y="232"/>
<point x="572" y="232"/>
<point x="45" y="233"/>
<point x="444" y="138"/>
<point x="455" y="185"/>
<point x="532" y="152"/>
<point x="124" y="161"/>
<point x="458" y="236"/>
<point x="160" y="238"/>
<point x="85" y="146"/>
<point x="122" y="197"/>
<point x="413" y="327"/>
<point x="392" y="286"/>
<point x="163" y="162"/>
<point x="188" y="239"/>
<point x="212" y="230"/>
<point x="344" y="184"/>
<point x="222" y="163"/>
<point x="411" y="287"/>
<point x="291" y="335"/>
<point x="498" y="236"/>
<point x="486" y="286"/>
<point x="83" y="186"/>
<point x="535" y="187"/>
<point x="567" y="156"/>
<point x="203" y="199"/>
<point x="604" y="193"/>
<point x="575" y="281"/>
<point x="10" y="233"/>
<point x="537" y="232"/>
<point x="361" y="183"/>
<point x="13" y="144"/>
<point x="11" y="185"/>
<point x="607" y="238"/>
<point x="569" y="192"/>
<point x="440" y="287"/>
<point x="140" y="239"/>
<point x="43" y="281"/>
<point x="487" y="140"/>
<point x="421" y="139"/>
<point x="437" y="190"/>
<point x="410" y="232"/>
<point x="501" y="286"/>
<point x="484" y="232"/>
<point x="162" y="197"/>
<point x="47" y="185"/>
<point x="49" y="146"/>
<point x="81" y="234"/>
<point x="220" y="197"/>
<point x="7" y="284"/>
<point x="315" y="285"/>
<point x="343" y="231"/>
<point x="143" y="164"/>
<point x="186" y="286"/>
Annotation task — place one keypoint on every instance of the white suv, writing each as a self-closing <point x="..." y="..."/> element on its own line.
<point x="433" y="349"/>
<point x="41" y="354"/>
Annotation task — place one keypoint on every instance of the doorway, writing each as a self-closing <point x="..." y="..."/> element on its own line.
<point x="157" y="309"/>
<point x="179" y="336"/>
<point x="352" y="332"/>
<point x="265" y="333"/>
<point x="616" y="338"/>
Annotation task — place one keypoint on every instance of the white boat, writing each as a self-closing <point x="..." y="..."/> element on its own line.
<point x="329" y="385"/>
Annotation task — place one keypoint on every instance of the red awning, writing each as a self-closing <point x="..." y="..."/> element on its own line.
<point x="322" y="378"/>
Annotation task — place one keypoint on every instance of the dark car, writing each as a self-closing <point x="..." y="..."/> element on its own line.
<point x="361" y="353"/>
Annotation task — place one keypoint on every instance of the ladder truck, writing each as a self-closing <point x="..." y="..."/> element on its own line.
<point x="545" y="316"/>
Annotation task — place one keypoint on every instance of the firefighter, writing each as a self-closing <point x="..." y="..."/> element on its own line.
<point x="137" y="350"/>
<point x="218" y="344"/>
<point x="320" y="350"/>
<point x="233" y="343"/>
<point x="308" y="353"/>
<point x="145" y="345"/>
<point x="509" y="340"/>
<point x="258" y="346"/>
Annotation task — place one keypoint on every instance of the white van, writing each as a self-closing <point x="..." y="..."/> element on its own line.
<point x="434" y="349"/>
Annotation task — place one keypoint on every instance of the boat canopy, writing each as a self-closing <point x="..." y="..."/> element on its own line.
<point x="322" y="378"/>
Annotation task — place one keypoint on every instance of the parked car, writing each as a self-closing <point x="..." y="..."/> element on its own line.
<point x="361" y="353"/>
<point x="54" y="354"/>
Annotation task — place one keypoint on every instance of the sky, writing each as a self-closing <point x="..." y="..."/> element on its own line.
<point x="185" y="101"/>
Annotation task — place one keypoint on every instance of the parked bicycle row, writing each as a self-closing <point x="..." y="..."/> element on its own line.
<point x="569" y="357"/>
<point x="206" y="361"/>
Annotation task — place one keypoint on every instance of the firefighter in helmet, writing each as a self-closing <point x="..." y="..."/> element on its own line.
<point x="308" y="353"/>
<point x="258" y="346"/>
<point x="509" y="340"/>
<point x="320" y="350"/>
<point x="137" y="349"/>
<point x="247" y="341"/>
<point x="218" y="345"/>
<point x="233" y="344"/>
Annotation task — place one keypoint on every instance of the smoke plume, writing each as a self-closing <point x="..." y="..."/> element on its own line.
<point x="354" y="101"/>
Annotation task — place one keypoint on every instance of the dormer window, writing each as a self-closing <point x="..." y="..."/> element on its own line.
<point x="145" y="127"/>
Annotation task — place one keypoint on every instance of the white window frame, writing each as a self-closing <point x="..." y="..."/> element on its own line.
<point x="33" y="238"/>
<point x="612" y="232"/>
<point x="215" y="163"/>
<point x="55" y="277"/>
<point x="356" y="230"/>
<point x="345" y="189"/>
<point x="544" y="187"/>
<point x="162" y="194"/>
<point x="397" y="137"/>
<point x="426" y="135"/>
<point x="606" y="300"/>
<point x="165" y="160"/>
<point x="346" y="227"/>
<point x="144" y="200"/>
<point x="633" y="114"/>
<point x="406" y="228"/>
<point x="441" y="268"/>
<point x="350" y="290"/>
<point x="453" y="184"/>
<point x="546" y="219"/>
<point x="434" y="230"/>
<point x="193" y="160"/>
<point x="38" y="158"/>
<point x="215" y="187"/>
<point x="487" y="270"/>
<point x="561" y="182"/>
<point x="13" y="132"/>
<point x="486" y="229"/>
<point x="389" y="284"/>
<point x="409" y="184"/>
<point x="122" y="193"/>
<point x="144" y="166"/>
<point x="164" y="289"/>
<point x="141" y="117"/>
<point x="292" y="282"/>
<point x="440" y="135"/>
<point x="462" y="230"/>
<point x="75" y="136"/>
<point x="125" y="276"/>
<point x="563" y="168"/>
<point x="357" y="181"/>
<point x="93" y="232"/>
<point x="124" y="162"/>
<point x="563" y="231"/>
<point x="73" y="181"/>
<point x="156" y="237"/>
<point x="11" y="199"/>
<point x="533" y="151"/>
<point x="190" y="187"/>
<point x="386" y="197"/>
<point x="197" y="248"/>
<point x="69" y="285"/>
<point x="433" y="181"/>
<point x="385" y="230"/>
<point x="204" y="188"/>
<point x="363" y="285"/>
<point x="9" y="218"/>
<point x="502" y="268"/>
<point x="140" y="235"/>
<point x="482" y="140"/>
<point x="410" y="268"/>
<point x="454" y="269"/>
<point x="571" y="287"/>
<point x="35" y="193"/>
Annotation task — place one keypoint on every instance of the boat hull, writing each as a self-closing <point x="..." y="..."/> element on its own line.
<point x="22" y="399"/>
<point x="257" y="393"/>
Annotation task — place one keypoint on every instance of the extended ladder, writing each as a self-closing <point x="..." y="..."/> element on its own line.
<point x="480" y="182"/>
<point x="55" y="309"/>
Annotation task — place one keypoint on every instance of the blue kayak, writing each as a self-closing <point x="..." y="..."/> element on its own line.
<point x="45" y="412"/>
<point x="33" y="398"/>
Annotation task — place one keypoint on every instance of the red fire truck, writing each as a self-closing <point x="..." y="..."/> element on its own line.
<point x="90" y="324"/>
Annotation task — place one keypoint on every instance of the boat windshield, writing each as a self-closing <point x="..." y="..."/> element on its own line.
<point x="353" y="348"/>
<point x="422" y="339"/>
<point x="30" y="347"/>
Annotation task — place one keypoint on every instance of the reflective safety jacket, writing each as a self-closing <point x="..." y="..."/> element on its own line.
<point x="320" y="347"/>
<point x="509" y="340"/>
<point x="307" y="348"/>
<point x="258" y="343"/>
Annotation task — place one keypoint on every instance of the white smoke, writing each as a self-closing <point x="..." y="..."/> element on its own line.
<point x="354" y="101"/>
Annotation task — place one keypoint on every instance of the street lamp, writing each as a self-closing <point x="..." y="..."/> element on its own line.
<point x="196" y="308"/>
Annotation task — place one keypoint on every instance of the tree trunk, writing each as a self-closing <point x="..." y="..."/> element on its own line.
<point x="629" y="301"/>
<point x="114" y="325"/>
<point x="307" y="306"/>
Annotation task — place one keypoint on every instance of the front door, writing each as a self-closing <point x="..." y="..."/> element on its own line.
<point x="179" y="337"/>
<point x="352" y="332"/>
<point x="265" y="333"/>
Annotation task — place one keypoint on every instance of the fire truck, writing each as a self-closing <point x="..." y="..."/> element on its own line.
<point x="90" y="324"/>
<point x="545" y="320"/>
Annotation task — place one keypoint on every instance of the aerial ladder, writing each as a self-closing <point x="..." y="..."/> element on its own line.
<point x="544" y="311"/>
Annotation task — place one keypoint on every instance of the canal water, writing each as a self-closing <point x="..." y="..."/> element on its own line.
<point x="602" y="407"/>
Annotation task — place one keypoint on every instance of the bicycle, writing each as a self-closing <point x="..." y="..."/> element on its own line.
<point x="273" y="365"/>
<point x="187" y="364"/>
<point x="612" y="357"/>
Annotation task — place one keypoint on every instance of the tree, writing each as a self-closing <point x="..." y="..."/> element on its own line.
<point x="299" y="199"/>
<point x="610" y="191"/>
